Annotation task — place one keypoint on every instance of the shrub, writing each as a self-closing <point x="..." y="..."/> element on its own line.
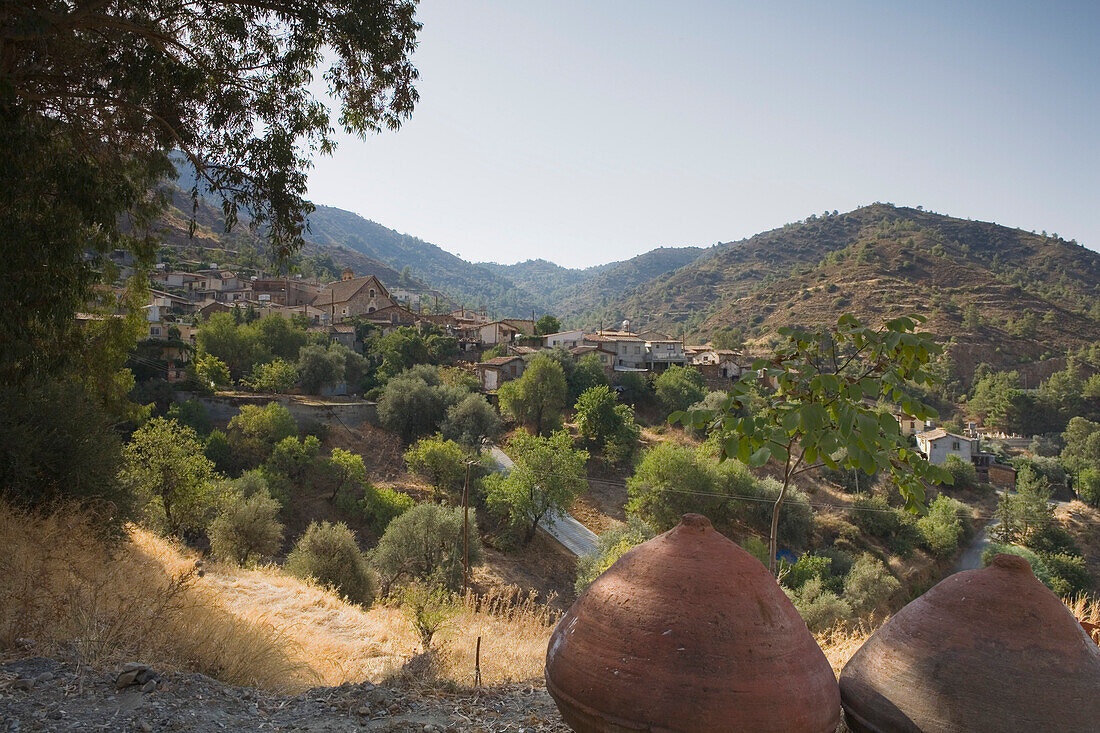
<point x="679" y="387"/>
<point x="442" y="463"/>
<point x="869" y="585"/>
<point x="756" y="547"/>
<point x="429" y="608"/>
<point x="963" y="473"/>
<point x="941" y="527"/>
<point x="1068" y="574"/>
<point x="610" y="546"/>
<point x="415" y="402"/>
<point x="321" y="367"/>
<point x="670" y="481"/>
<point x="380" y="505"/>
<point x="254" y="431"/>
<point x="538" y="397"/>
<point x="606" y="425"/>
<point x="425" y="543"/>
<point x="191" y="413"/>
<point x="471" y="421"/>
<point x="1088" y="486"/>
<point x="220" y="453"/>
<point x="821" y="609"/>
<point x="852" y="480"/>
<point x="247" y="529"/>
<point x="276" y="376"/>
<point x="1037" y="565"/>
<point x="329" y="555"/>
<point x="807" y="566"/>
<point x="874" y="516"/>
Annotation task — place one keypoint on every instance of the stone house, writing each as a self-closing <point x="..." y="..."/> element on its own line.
<point x="353" y="296"/>
<point x="938" y="444"/>
<point x="629" y="350"/>
<point x="567" y="339"/>
<point x="495" y="372"/>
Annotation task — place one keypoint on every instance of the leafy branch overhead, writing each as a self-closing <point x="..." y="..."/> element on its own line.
<point x="227" y="82"/>
<point x="821" y="404"/>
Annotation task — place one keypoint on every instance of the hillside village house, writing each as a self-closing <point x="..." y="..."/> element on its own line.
<point x="499" y="332"/>
<point x="629" y="350"/>
<point x="353" y="296"/>
<point x="938" y="444"/>
<point x="663" y="352"/>
<point x="567" y="339"/>
<point x="285" y="291"/>
<point x="909" y="425"/>
<point x="497" y="371"/>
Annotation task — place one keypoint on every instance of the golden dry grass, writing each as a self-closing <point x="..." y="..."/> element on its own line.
<point x="143" y="600"/>
<point x="840" y="643"/>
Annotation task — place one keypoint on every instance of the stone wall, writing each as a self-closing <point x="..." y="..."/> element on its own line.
<point x="349" y="412"/>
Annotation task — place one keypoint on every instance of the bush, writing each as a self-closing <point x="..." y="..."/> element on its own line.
<point x="869" y="585"/>
<point x="538" y="397"/>
<point x="874" y="516"/>
<point x="941" y="527"/>
<point x="1068" y="574"/>
<point x="821" y="609"/>
<point x="415" y="402"/>
<point x="254" y="431"/>
<point x="191" y="413"/>
<point x="276" y="376"/>
<point x="329" y="555"/>
<point x="756" y="547"/>
<point x="606" y="425"/>
<point x="1038" y="567"/>
<point x="678" y="388"/>
<point x="442" y="463"/>
<point x="610" y="546"/>
<point x="807" y="566"/>
<point x="425" y="543"/>
<point x="220" y="453"/>
<point x="963" y="473"/>
<point x="247" y="530"/>
<point x="321" y="367"/>
<point x="381" y="505"/>
<point x="471" y="421"/>
<point x="852" y="480"/>
<point x="1088" y="486"/>
<point x="429" y="609"/>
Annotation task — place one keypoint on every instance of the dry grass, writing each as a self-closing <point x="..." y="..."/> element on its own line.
<point x="74" y="595"/>
<point x="144" y="600"/>
<point x="840" y="643"/>
<point x="514" y="631"/>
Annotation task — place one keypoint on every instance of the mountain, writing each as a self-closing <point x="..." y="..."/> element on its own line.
<point x="1004" y="296"/>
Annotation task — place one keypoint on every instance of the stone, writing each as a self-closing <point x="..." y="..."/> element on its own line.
<point x="689" y="632"/>
<point x="144" y="676"/>
<point x="44" y="677"/>
<point x="126" y="679"/>
<point x="134" y="667"/>
<point x="149" y="686"/>
<point x="983" y="650"/>
<point x="23" y="684"/>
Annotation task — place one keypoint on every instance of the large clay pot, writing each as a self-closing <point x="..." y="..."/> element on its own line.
<point x="688" y="632"/>
<point x="984" y="650"/>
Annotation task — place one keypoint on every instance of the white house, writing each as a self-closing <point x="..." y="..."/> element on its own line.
<point x="499" y="370"/>
<point x="568" y="339"/>
<point x="938" y="444"/>
<point x="663" y="352"/>
<point x="629" y="350"/>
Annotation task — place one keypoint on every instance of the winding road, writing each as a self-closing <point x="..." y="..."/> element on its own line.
<point x="571" y="534"/>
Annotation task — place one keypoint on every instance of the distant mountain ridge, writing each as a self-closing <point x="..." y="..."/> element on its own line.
<point x="1005" y="296"/>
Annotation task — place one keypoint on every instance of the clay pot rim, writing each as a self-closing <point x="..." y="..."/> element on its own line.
<point x="557" y="694"/>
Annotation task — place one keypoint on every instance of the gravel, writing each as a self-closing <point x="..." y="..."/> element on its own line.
<point x="41" y="693"/>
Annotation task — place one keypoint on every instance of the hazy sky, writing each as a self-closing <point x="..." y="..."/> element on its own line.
<point x="585" y="132"/>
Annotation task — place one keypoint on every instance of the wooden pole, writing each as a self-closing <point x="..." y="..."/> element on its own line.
<point x="466" y="533"/>
<point x="477" y="664"/>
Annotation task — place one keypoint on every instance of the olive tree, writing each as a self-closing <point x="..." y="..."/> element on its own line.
<point x="817" y="411"/>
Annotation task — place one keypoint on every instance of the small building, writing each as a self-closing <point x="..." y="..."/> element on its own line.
<point x="285" y="291"/>
<point x="910" y="425"/>
<point x="353" y="296"/>
<point x="497" y="332"/>
<point x="938" y="444"/>
<point x="629" y="350"/>
<point x="495" y="372"/>
<point x="663" y="353"/>
<point x="566" y="339"/>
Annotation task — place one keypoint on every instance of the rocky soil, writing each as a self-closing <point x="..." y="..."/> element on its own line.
<point x="45" y="694"/>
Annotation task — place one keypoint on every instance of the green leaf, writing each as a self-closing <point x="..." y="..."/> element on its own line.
<point x="732" y="446"/>
<point x="760" y="457"/>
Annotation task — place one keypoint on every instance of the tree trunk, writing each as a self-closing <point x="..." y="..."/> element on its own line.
<point x="773" y="538"/>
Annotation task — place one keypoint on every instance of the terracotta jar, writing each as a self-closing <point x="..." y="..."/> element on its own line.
<point x="688" y="632"/>
<point x="984" y="650"/>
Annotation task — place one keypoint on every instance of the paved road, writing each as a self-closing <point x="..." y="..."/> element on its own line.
<point x="572" y="535"/>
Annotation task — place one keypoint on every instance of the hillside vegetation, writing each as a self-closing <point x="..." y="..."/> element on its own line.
<point x="1003" y="295"/>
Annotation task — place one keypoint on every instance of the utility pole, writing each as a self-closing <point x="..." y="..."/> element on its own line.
<point x="466" y="531"/>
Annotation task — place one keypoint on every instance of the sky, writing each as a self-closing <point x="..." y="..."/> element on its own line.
<point x="588" y="132"/>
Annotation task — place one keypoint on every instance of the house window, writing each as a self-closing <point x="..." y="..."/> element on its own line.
<point x="955" y="445"/>
<point x="345" y="311"/>
<point x="369" y="310"/>
<point x="372" y="293"/>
